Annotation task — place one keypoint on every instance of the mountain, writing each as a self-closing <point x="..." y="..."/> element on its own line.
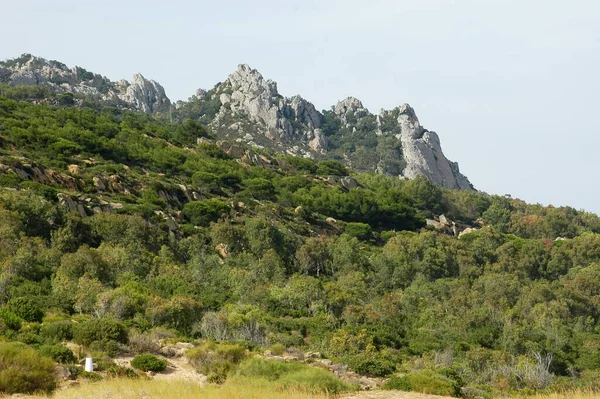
<point x="248" y="108"/>
<point x="141" y="94"/>
<point x="123" y="233"/>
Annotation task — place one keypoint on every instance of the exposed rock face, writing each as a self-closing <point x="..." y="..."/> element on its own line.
<point x="247" y="108"/>
<point x="350" y="106"/>
<point x="141" y="94"/>
<point x="281" y="120"/>
<point x="253" y="111"/>
<point x="423" y="153"/>
<point x="145" y="95"/>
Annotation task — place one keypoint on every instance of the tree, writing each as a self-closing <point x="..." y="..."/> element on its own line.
<point x="204" y="212"/>
<point x="313" y="256"/>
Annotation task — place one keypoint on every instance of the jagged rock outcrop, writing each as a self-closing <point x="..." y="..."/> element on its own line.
<point x="144" y="95"/>
<point x="247" y="108"/>
<point x="350" y="106"/>
<point x="141" y="94"/>
<point x="423" y="153"/>
<point x="252" y="111"/>
<point x="281" y="120"/>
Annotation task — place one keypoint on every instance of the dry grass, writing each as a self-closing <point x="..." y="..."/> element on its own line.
<point x="146" y="389"/>
<point x="565" y="395"/>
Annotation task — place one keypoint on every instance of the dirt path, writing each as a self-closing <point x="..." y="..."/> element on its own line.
<point x="392" y="395"/>
<point x="178" y="368"/>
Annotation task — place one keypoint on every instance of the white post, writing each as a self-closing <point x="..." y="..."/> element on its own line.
<point x="89" y="366"/>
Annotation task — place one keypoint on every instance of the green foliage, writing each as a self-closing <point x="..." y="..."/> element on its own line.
<point x="426" y="381"/>
<point x="216" y="360"/>
<point x="23" y="370"/>
<point x="260" y="189"/>
<point x="371" y="364"/>
<point x="25" y="309"/>
<point x="362" y="231"/>
<point x="58" y="353"/>
<point x="10" y="320"/>
<point x="186" y="238"/>
<point x="331" y="168"/>
<point x="104" y="329"/>
<point x="293" y="375"/>
<point x="148" y="362"/>
<point x="204" y="212"/>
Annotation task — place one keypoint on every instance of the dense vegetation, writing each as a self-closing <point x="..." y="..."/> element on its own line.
<point x="171" y="234"/>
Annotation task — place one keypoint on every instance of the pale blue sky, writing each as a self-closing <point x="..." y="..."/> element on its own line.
<point x="512" y="87"/>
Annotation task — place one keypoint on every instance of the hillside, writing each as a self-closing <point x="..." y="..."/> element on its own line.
<point x="121" y="229"/>
<point x="248" y="108"/>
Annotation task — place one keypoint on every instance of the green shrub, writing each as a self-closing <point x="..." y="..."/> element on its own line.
<point x="25" y="309"/>
<point x="293" y="375"/>
<point x="104" y="329"/>
<point x="102" y="361"/>
<point x="58" y="353"/>
<point x="23" y="370"/>
<point x="426" y="381"/>
<point x="10" y="320"/>
<point x="216" y="360"/>
<point x="371" y="365"/>
<point x="204" y="212"/>
<point x="277" y="349"/>
<point x="331" y="167"/>
<point x="57" y="331"/>
<point x="117" y="371"/>
<point x="110" y="347"/>
<point x="148" y="362"/>
<point x="362" y="231"/>
<point x="259" y="188"/>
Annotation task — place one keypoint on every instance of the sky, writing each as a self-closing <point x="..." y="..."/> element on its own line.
<point x="512" y="87"/>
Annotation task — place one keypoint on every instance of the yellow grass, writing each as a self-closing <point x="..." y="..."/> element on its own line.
<point x="565" y="395"/>
<point x="147" y="389"/>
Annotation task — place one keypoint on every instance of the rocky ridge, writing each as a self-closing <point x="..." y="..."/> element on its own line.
<point x="252" y="111"/>
<point x="140" y="94"/>
<point x="283" y="121"/>
<point x="248" y="109"/>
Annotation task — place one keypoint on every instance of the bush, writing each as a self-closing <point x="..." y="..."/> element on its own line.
<point x="104" y="329"/>
<point x="58" y="353"/>
<point x="426" y="381"/>
<point x="259" y="188"/>
<point x="204" y="212"/>
<point x="362" y="231"/>
<point x="58" y="331"/>
<point x="293" y="375"/>
<point x="10" y="320"/>
<point x="330" y="167"/>
<point x="148" y="362"/>
<point x="25" y="309"/>
<point x="23" y="370"/>
<point x="216" y="360"/>
<point x="117" y="371"/>
<point x="277" y="349"/>
<point x="371" y="365"/>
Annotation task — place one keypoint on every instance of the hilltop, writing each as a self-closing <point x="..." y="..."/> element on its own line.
<point x="248" y="108"/>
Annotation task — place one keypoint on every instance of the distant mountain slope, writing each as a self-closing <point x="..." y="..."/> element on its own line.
<point x="248" y="108"/>
<point x="141" y="94"/>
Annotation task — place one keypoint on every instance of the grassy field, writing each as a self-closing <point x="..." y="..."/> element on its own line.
<point x="146" y="389"/>
<point x="566" y="395"/>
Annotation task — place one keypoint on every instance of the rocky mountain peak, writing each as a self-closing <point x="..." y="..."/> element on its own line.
<point x="279" y="120"/>
<point x="349" y="106"/>
<point x="142" y="95"/>
<point x="423" y="154"/>
<point x="146" y="95"/>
